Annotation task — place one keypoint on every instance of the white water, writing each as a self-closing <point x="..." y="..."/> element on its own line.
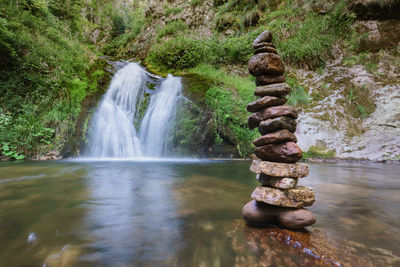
<point x="113" y="133"/>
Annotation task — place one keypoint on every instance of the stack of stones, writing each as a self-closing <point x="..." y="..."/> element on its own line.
<point x="278" y="200"/>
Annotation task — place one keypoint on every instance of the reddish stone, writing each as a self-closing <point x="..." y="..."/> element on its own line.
<point x="270" y="113"/>
<point x="272" y="125"/>
<point x="266" y="101"/>
<point x="268" y="79"/>
<point x="275" y="137"/>
<point x="288" y="152"/>
<point x="266" y="63"/>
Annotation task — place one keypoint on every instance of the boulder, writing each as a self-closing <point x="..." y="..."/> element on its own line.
<point x="277" y="182"/>
<point x="298" y="197"/>
<point x="275" y="137"/>
<point x="268" y="79"/>
<point x="264" y="102"/>
<point x="275" y="124"/>
<point x="271" y="113"/>
<point x="276" y="89"/>
<point x="279" y="169"/>
<point x="288" y="152"/>
<point x="266" y="63"/>
<point x="259" y="214"/>
<point x="265" y="36"/>
<point x="296" y="219"/>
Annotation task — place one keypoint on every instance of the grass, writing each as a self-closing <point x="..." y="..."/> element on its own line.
<point x="298" y="95"/>
<point x="319" y="152"/>
<point x="172" y="28"/>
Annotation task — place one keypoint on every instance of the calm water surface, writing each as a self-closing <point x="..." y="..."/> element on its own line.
<point x="123" y="213"/>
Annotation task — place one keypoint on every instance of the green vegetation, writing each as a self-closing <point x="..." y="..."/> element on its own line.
<point x="319" y="152"/>
<point x="171" y="28"/>
<point x="169" y="10"/>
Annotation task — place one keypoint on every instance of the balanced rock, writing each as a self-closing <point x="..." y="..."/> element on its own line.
<point x="268" y="79"/>
<point x="263" y="44"/>
<point x="298" y="197"/>
<point x="265" y="36"/>
<point x="277" y="182"/>
<point x="279" y="169"/>
<point x="266" y="101"/>
<point x="275" y="124"/>
<point x="276" y="89"/>
<point x="266" y="63"/>
<point x="265" y="49"/>
<point x="288" y="152"/>
<point x="260" y="214"/>
<point x="271" y="113"/>
<point x="275" y="137"/>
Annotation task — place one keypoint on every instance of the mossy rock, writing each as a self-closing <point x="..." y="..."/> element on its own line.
<point x="195" y="87"/>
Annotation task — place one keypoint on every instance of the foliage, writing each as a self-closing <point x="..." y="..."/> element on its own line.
<point x="319" y="152"/>
<point x="298" y="96"/>
<point x="169" y="10"/>
<point x="172" y="28"/>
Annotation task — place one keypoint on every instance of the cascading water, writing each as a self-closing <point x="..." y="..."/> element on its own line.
<point x="113" y="132"/>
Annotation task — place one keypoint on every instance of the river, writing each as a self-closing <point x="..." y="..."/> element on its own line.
<point x="187" y="213"/>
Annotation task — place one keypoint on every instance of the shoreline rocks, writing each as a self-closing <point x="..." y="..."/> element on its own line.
<point x="278" y="200"/>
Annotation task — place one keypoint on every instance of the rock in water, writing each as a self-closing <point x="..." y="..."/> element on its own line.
<point x="259" y="214"/>
<point x="275" y="137"/>
<point x="277" y="182"/>
<point x="268" y="79"/>
<point x="266" y="101"/>
<point x="298" y="197"/>
<point x="266" y="63"/>
<point x="276" y="89"/>
<point x="296" y="219"/>
<point x="271" y="113"/>
<point x="279" y="169"/>
<point x="276" y="124"/>
<point x="288" y="152"/>
<point x="265" y="36"/>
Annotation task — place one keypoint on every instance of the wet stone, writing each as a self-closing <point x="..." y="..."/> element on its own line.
<point x="271" y="113"/>
<point x="279" y="169"/>
<point x="272" y="125"/>
<point x="265" y="36"/>
<point x="268" y="79"/>
<point x="298" y="197"/>
<point x="288" y="152"/>
<point x="277" y="182"/>
<point x="276" y="89"/>
<point x="266" y="101"/>
<point x="275" y="137"/>
<point x="296" y="219"/>
<point x="266" y="63"/>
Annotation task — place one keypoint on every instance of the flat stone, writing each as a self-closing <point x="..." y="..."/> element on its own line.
<point x="275" y="137"/>
<point x="271" y="113"/>
<point x="263" y="44"/>
<point x="264" y="102"/>
<point x="279" y="169"/>
<point x="298" y="197"/>
<point x="276" y="89"/>
<point x="288" y="152"/>
<point x="266" y="63"/>
<point x="260" y="214"/>
<point x="268" y="79"/>
<point x="265" y="49"/>
<point x="265" y="36"/>
<point x="272" y="125"/>
<point x="277" y="182"/>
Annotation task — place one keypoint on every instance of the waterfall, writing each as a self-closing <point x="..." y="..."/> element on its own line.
<point x="113" y="133"/>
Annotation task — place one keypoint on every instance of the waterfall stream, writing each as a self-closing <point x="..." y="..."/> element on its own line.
<point x="113" y="133"/>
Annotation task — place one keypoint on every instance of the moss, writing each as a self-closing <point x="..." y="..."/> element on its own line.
<point x="319" y="152"/>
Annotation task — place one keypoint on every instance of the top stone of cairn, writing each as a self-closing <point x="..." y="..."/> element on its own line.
<point x="264" y="37"/>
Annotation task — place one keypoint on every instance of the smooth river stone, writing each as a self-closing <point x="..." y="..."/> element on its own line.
<point x="266" y="63"/>
<point x="288" y="152"/>
<point x="265" y="49"/>
<point x="260" y="214"/>
<point x="275" y="137"/>
<point x="277" y="182"/>
<point x="266" y="101"/>
<point x="268" y="79"/>
<point x="276" y="89"/>
<point x="279" y="169"/>
<point x="265" y="36"/>
<point x="298" y="197"/>
<point x="272" y="125"/>
<point x="271" y="113"/>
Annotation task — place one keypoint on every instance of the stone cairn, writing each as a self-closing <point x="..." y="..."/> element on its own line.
<point x="278" y="200"/>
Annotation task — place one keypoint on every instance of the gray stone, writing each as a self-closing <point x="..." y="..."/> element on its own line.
<point x="277" y="182"/>
<point x="265" y="36"/>
<point x="271" y="113"/>
<point x="298" y="197"/>
<point x="268" y="79"/>
<point x="280" y="123"/>
<point x="277" y="169"/>
<point x="276" y="89"/>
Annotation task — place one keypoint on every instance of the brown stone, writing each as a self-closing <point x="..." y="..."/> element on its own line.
<point x="275" y="124"/>
<point x="277" y="182"/>
<point x="268" y="79"/>
<point x="260" y="214"/>
<point x="263" y="44"/>
<point x="266" y="63"/>
<point x="279" y="169"/>
<point x="265" y="36"/>
<point x="265" y="49"/>
<point x="288" y="152"/>
<point x="270" y="113"/>
<point x="264" y="102"/>
<point x="275" y="137"/>
<point x="276" y="89"/>
<point x="298" y="197"/>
